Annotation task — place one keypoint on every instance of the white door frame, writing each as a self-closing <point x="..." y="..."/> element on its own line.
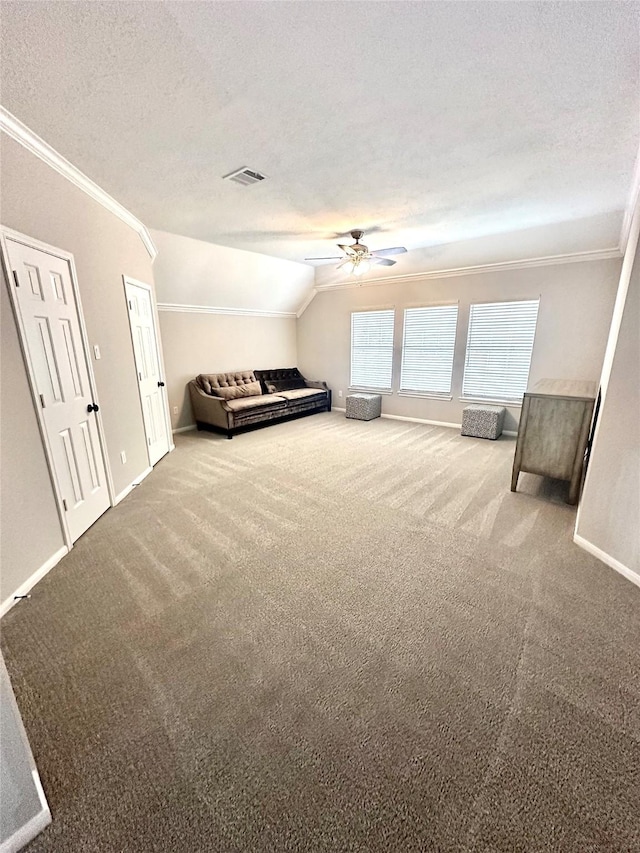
<point x="127" y="279"/>
<point x="6" y="233"/>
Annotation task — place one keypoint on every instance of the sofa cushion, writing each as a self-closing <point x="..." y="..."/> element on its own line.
<point x="209" y="381"/>
<point x="232" y="392"/>
<point x="280" y="379"/>
<point x="264" y="401"/>
<point x="303" y="394"/>
<point x="287" y="384"/>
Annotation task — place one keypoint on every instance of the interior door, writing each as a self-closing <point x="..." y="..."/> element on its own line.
<point x="46" y="301"/>
<point x="147" y="356"/>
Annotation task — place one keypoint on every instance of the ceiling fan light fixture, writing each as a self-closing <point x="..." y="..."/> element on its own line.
<point x="361" y="266"/>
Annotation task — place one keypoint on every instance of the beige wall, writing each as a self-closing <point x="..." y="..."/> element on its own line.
<point x="576" y="302"/>
<point x="610" y="508"/>
<point x="30" y="529"/>
<point x="195" y="273"/>
<point x="215" y="343"/>
<point x="39" y="202"/>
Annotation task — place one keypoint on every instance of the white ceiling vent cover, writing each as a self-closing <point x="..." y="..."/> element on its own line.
<point x="245" y="177"/>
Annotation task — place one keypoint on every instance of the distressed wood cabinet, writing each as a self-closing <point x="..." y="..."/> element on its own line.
<point x="553" y="432"/>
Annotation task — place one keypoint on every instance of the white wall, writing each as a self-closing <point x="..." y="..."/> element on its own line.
<point x="256" y="328"/>
<point x="609" y="513"/>
<point x="194" y="272"/>
<point x="576" y="303"/>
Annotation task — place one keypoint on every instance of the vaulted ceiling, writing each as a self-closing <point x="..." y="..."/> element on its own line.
<point x="430" y="124"/>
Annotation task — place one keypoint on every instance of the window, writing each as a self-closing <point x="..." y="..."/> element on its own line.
<point x="372" y="349"/>
<point x="499" y="347"/>
<point x="427" y="349"/>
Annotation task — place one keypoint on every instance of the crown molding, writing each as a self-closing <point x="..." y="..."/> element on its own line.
<point x="527" y="263"/>
<point x="211" y="309"/>
<point x="632" y="201"/>
<point x="18" y="131"/>
<point x="306" y="303"/>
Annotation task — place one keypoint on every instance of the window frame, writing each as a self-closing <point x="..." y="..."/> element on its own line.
<point x="377" y="389"/>
<point x="406" y="391"/>
<point x="470" y="395"/>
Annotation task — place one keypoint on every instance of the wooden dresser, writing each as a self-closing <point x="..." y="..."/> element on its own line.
<point x="553" y="432"/>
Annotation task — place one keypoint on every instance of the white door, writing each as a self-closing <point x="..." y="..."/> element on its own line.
<point x="147" y="355"/>
<point x="45" y="298"/>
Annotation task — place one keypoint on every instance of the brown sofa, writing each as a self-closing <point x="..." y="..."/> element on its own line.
<point x="233" y="401"/>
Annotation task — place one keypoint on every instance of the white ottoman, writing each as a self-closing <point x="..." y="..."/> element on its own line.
<point x="364" y="407"/>
<point x="483" y="421"/>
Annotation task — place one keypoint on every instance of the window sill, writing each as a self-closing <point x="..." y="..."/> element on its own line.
<point x="357" y="390"/>
<point x="418" y="395"/>
<point x="514" y="404"/>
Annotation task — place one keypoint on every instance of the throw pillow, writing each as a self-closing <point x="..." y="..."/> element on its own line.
<point x="232" y="392"/>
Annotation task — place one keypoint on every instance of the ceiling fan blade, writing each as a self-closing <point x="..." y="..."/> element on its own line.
<point x="394" y="250"/>
<point x="332" y="258"/>
<point x="385" y="262"/>
<point x="346" y="249"/>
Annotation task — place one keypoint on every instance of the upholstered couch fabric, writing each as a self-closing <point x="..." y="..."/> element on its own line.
<point x="232" y="392"/>
<point x="283" y="379"/>
<point x="231" y="401"/>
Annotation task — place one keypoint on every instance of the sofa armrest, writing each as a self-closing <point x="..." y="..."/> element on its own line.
<point x="314" y="383"/>
<point x="208" y="409"/>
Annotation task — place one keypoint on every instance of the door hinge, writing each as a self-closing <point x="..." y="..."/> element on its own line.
<point x="15" y="278"/>
<point x="42" y="403"/>
<point x="130" y="305"/>
<point x="64" y="504"/>
<point x="140" y="376"/>
<point x="149" y="442"/>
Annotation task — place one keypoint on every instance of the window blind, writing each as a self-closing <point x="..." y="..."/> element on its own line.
<point x="372" y="349"/>
<point x="427" y="349"/>
<point x="499" y="347"/>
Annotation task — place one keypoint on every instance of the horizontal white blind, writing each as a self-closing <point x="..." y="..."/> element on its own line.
<point x="499" y="347"/>
<point x="372" y="349"/>
<point x="427" y="349"/>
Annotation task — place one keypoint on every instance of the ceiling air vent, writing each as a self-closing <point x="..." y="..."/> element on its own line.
<point x="245" y="177"/>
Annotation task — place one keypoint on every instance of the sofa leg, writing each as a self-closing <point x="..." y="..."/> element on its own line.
<point x="229" y="434"/>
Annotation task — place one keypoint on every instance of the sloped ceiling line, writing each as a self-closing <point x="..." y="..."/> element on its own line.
<point x="18" y="131"/>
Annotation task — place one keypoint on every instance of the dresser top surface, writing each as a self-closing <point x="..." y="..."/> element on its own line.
<point x="565" y="388"/>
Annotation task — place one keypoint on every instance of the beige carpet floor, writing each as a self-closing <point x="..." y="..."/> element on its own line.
<point x="330" y="635"/>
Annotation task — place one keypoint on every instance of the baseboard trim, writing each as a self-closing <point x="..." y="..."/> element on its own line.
<point x="24" y="588"/>
<point x="607" y="559"/>
<point x="409" y="420"/>
<point x="22" y="836"/>
<point x="122" y="495"/>
<point x="185" y="429"/>
<point x="422" y="421"/>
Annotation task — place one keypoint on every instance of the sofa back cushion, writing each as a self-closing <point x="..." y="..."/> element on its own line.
<point x="211" y="383"/>
<point x="281" y="379"/>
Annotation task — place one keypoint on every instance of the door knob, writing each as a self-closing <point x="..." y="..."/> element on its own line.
<point x="93" y="408"/>
<point x="160" y="384"/>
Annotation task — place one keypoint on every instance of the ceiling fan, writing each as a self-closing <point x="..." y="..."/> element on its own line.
<point x="358" y="258"/>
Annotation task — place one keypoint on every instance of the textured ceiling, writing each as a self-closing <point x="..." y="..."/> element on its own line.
<point x="430" y="123"/>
